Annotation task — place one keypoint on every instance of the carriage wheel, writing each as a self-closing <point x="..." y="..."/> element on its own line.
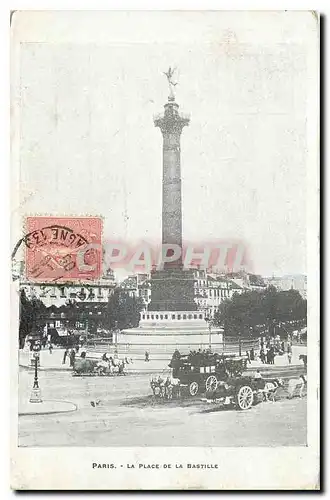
<point x="244" y="397"/>
<point x="193" y="388"/>
<point x="211" y="383"/>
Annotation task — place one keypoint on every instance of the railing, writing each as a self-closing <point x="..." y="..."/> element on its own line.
<point x="165" y="351"/>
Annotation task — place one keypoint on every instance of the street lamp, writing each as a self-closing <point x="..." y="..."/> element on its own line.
<point x="116" y="333"/>
<point x="36" y="393"/>
<point x="240" y="343"/>
<point x="210" y="332"/>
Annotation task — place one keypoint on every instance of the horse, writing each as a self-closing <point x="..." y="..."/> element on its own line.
<point x="172" y="385"/>
<point x="303" y="357"/>
<point x="103" y="366"/>
<point x="297" y="384"/>
<point x="109" y="366"/>
<point x="121" y="368"/>
<point x="270" y="389"/>
<point x="157" y="386"/>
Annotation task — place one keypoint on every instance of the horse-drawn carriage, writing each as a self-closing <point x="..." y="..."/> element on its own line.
<point x="220" y="377"/>
<point x="201" y="372"/>
<point x="243" y="392"/>
<point x="106" y="366"/>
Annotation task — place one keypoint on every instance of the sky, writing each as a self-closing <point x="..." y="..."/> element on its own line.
<point x="88" y="145"/>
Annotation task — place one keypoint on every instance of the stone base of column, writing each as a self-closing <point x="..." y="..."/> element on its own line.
<point x="172" y="290"/>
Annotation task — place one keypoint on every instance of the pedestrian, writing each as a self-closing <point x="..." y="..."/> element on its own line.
<point x="65" y="355"/>
<point x="50" y="348"/>
<point x="146" y="356"/>
<point x="248" y="356"/>
<point x="289" y="353"/>
<point x="72" y="357"/>
<point x="27" y="344"/>
<point x="262" y="355"/>
<point x="252" y="354"/>
<point x="270" y="356"/>
<point x="176" y="354"/>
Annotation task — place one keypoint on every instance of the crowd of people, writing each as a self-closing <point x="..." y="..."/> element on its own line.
<point x="200" y="357"/>
<point x="273" y="347"/>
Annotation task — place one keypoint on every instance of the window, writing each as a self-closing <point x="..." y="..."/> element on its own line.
<point x="152" y="316"/>
<point x="166" y="316"/>
<point x="201" y="316"/>
<point x="143" y="316"/>
<point x="161" y="316"/>
<point x="184" y="316"/>
<point x="190" y="316"/>
<point x="156" y="316"/>
<point x="179" y="316"/>
<point x="147" y="316"/>
<point x="173" y="316"/>
<point x="195" y="316"/>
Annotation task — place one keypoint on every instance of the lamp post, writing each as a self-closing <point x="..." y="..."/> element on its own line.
<point x="36" y="393"/>
<point x="240" y="343"/>
<point x="210" y="333"/>
<point x="116" y="333"/>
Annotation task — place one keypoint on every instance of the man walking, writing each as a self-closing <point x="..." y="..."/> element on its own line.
<point x="65" y="355"/>
<point x="72" y="357"/>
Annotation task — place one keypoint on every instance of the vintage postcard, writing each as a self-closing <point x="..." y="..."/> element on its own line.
<point x="165" y="255"/>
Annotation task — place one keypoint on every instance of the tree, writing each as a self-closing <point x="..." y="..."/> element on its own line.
<point x="254" y="312"/>
<point x="123" y="311"/>
<point x="31" y="316"/>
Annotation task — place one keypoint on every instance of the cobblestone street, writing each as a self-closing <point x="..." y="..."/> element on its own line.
<point x="127" y="415"/>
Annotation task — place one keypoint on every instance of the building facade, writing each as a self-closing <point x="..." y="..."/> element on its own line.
<point x="288" y="282"/>
<point x="209" y="290"/>
<point x="58" y="294"/>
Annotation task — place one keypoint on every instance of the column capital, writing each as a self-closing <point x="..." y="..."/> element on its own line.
<point x="171" y="121"/>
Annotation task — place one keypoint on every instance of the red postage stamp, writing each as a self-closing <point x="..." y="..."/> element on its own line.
<point x="63" y="248"/>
